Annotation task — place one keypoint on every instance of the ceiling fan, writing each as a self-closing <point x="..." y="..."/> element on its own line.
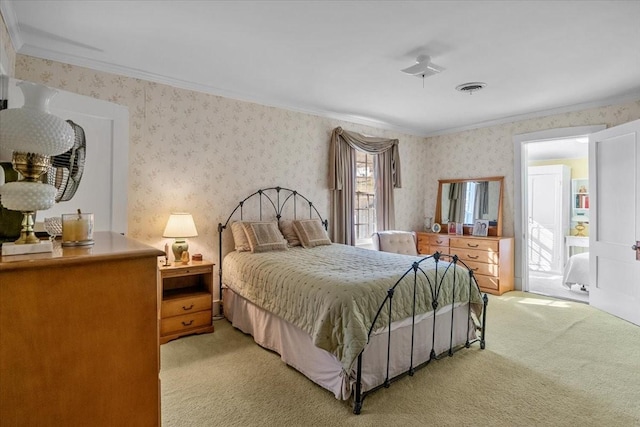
<point x="423" y="67"/>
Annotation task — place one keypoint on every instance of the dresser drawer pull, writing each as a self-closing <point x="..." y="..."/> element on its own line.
<point x="475" y="269"/>
<point x="187" y="323"/>
<point x="472" y="246"/>
<point x="187" y="308"/>
<point x="439" y="242"/>
<point x="473" y="257"/>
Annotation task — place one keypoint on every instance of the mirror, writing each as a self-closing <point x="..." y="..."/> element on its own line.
<point x="466" y="200"/>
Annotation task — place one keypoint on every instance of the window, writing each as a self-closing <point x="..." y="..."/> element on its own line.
<point x="365" y="203"/>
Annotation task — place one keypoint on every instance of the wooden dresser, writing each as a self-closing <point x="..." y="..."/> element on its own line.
<point x="79" y="335"/>
<point x="491" y="258"/>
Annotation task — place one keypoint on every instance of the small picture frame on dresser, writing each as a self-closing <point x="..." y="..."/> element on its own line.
<point x="481" y="227"/>
<point x="459" y="229"/>
<point x="451" y="228"/>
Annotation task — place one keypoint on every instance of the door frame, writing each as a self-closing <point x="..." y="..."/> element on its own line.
<point x="521" y="232"/>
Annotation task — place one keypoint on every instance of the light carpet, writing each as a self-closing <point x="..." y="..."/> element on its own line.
<point x="548" y="362"/>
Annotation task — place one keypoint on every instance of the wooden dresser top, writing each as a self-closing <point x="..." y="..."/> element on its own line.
<point x="108" y="245"/>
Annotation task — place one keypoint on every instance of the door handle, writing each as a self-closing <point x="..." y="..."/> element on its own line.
<point x="636" y="248"/>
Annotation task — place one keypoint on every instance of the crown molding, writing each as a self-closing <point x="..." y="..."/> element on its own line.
<point x="11" y="21"/>
<point x="631" y="96"/>
<point x="107" y="67"/>
<point x="102" y="66"/>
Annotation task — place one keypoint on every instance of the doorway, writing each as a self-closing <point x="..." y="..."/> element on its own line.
<point x="540" y="258"/>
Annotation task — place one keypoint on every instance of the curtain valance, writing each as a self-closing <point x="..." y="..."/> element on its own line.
<point x="342" y="176"/>
<point x="342" y="139"/>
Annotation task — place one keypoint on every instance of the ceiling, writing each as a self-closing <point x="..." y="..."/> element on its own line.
<point x="342" y="59"/>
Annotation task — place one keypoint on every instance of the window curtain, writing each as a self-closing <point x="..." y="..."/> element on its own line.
<point x="481" y="205"/>
<point x="457" y="201"/>
<point x="342" y="180"/>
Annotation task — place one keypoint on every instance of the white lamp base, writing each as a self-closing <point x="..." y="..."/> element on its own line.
<point x="27" y="248"/>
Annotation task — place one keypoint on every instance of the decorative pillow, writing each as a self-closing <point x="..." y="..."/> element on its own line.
<point x="286" y="227"/>
<point x="240" y="237"/>
<point x="311" y="232"/>
<point x="264" y="236"/>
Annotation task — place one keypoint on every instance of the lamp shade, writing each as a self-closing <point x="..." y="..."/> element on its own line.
<point x="180" y="225"/>
<point x="32" y="129"/>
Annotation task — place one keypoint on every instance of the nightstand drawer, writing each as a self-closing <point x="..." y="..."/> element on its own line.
<point x="186" y="271"/>
<point x="179" y="304"/>
<point x="184" y="322"/>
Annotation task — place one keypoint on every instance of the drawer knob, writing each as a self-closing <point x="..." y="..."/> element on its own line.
<point x="439" y="242"/>
<point x="473" y="257"/>
<point x="187" y="308"/>
<point x="187" y="323"/>
<point x="472" y="246"/>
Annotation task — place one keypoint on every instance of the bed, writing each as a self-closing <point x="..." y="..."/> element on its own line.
<point x="352" y="320"/>
<point x="577" y="271"/>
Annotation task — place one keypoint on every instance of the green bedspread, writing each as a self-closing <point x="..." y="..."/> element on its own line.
<point x="333" y="292"/>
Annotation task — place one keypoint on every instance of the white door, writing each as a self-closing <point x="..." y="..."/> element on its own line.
<point x="614" y="174"/>
<point x="547" y="217"/>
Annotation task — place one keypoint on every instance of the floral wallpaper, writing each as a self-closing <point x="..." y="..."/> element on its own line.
<point x="7" y="48"/>
<point x="196" y="152"/>
<point x="490" y="151"/>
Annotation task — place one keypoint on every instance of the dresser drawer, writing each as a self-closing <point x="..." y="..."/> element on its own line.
<point x="185" y="303"/>
<point x="479" y="244"/>
<point x="481" y="268"/>
<point x="184" y="322"/>
<point x="488" y="282"/>
<point x="487" y="257"/>
<point x="423" y="243"/>
<point x="439" y="240"/>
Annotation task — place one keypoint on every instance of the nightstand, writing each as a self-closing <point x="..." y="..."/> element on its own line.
<point x="186" y="299"/>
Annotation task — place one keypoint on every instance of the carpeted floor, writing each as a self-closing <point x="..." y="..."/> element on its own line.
<point x="548" y="362"/>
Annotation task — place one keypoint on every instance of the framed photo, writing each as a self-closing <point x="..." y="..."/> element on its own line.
<point x="459" y="228"/>
<point x="481" y="227"/>
<point x="452" y="228"/>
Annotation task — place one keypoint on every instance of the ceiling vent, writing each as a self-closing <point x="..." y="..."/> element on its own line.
<point x="471" y="87"/>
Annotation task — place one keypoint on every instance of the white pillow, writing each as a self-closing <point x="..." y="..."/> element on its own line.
<point x="240" y="237"/>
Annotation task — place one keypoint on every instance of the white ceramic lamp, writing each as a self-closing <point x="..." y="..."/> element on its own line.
<point x="180" y="226"/>
<point x="33" y="135"/>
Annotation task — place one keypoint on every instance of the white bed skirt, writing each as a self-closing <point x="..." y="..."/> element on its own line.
<point x="296" y="348"/>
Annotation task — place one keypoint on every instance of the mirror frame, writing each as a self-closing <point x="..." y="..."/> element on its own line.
<point x="494" y="230"/>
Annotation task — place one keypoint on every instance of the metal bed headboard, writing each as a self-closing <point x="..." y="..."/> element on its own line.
<point x="283" y="198"/>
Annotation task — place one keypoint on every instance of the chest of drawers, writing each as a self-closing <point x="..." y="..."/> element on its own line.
<point x="491" y="258"/>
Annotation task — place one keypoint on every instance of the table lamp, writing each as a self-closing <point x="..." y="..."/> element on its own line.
<point x="180" y="226"/>
<point x="33" y="135"/>
<point x="580" y="219"/>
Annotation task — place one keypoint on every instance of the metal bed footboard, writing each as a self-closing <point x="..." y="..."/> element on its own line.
<point x="434" y="290"/>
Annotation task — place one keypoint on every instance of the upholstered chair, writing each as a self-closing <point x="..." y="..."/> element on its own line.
<point x="399" y="242"/>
